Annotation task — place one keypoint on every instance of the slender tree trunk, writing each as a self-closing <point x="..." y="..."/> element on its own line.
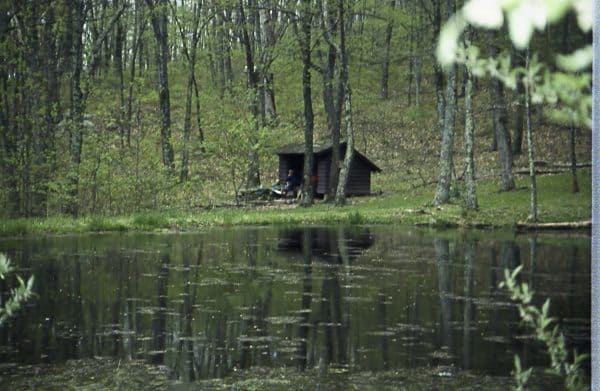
<point x="533" y="211"/>
<point x="77" y="109"/>
<point x="198" y="122"/>
<point x="332" y="106"/>
<point x="502" y="137"/>
<point x="138" y="31"/>
<point x="190" y="55"/>
<point x="187" y="122"/>
<point x="9" y="145"/>
<point x="340" y="196"/>
<point x="411" y="64"/>
<point x="306" y="40"/>
<point x="45" y="147"/>
<point x="253" y="177"/>
<point x="439" y="74"/>
<point x="118" y="65"/>
<point x="575" y="183"/>
<point x="160" y="27"/>
<point x="266" y="57"/>
<point x="418" y="77"/>
<point x="385" y="67"/>
<point x="442" y="194"/>
<point x="517" y="140"/>
<point x="470" y="187"/>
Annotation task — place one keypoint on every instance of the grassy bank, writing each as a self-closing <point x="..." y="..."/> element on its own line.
<point x="556" y="203"/>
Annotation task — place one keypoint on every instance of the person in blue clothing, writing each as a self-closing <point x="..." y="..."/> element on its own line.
<point x="291" y="182"/>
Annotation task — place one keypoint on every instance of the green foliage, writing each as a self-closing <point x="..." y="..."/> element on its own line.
<point x="18" y="295"/>
<point x="355" y="218"/>
<point x="521" y="377"/>
<point x="116" y="179"/>
<point x="524" y="16"/>
<point x="104" y="224"/>
<point x="409" y="206"/>
<point x="541" y="322"/>
<point x="150" y="221"/>
<point x="569" y="87"/>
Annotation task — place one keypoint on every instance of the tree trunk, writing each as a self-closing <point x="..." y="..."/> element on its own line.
<point x="79" y="95"/>
<point x="332" y="106"/>
<point x="305" y="43"/>
<point x="187" y="121"/>
<point x="502" y="137"/>
<point x="470" y="187"/>
<point x="439" y="74"/>
<point x="411" y="64"/>
<point x="190" y="55"/>
<point x="575" y="183"/>
<point x="418" y="76"/>
<point x="9" y="146"/>
<point x="159" y="25"/>
<point x="77" y="109"/>
<point x="533" y="211"/>
<point x="442" y="194"/>
<point x="340" y="196"/>
<point x="266" y="57"/>
<point x="517" y="140"/>
<point x="198" y="122"/>
<point x="253" y="177"/>
<point x="385" y="67"/>
<point x="138" y="31"/>
<point x="118" y="65"/>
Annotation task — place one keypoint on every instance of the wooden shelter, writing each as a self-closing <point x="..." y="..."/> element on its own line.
<point x="359" y="179"/>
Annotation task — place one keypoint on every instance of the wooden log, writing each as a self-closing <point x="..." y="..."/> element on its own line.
<point x="550" y="168"/>
<point x="525" y="226"/>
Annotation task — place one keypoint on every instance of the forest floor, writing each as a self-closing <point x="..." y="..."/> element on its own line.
<point x="406" y="206"/>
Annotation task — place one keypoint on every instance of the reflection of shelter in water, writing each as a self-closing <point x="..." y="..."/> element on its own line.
<point x="326" y="243"/>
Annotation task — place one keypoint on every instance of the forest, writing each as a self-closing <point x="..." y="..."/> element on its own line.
<point x="127" y="106"/>
<point x="160" y="117"/>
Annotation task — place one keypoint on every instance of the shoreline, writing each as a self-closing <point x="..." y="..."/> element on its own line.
<point x="558" y="209"/>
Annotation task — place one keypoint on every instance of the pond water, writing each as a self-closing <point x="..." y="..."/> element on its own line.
<point x="335" y="300"/>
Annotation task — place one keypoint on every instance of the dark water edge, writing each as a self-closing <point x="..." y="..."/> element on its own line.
<point x="322" y="305"/>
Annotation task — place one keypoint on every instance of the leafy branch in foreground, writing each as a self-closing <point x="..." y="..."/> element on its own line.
<point x="566" y="83"/>
<point x="552" y="337"/>
<point x="18" y="295"/>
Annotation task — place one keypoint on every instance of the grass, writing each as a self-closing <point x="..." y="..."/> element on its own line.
<point x="408" y="207"/>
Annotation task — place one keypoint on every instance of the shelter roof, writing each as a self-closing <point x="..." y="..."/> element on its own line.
<point x="322" y="149"/>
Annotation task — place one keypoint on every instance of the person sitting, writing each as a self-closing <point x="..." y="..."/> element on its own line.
<point x="292" y="182"/>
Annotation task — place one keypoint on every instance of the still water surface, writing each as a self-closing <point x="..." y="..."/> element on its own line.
<point x="375" y="298"/>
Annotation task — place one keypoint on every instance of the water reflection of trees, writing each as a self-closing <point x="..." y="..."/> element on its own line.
<point x="331" y="251"/>
<point x="205" y="306"/>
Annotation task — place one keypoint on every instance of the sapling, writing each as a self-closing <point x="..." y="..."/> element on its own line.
<point x="546" y="331"/>
<point x="18" y="295"/>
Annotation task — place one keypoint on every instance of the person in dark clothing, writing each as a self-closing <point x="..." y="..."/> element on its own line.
<point x="292" y="182"/>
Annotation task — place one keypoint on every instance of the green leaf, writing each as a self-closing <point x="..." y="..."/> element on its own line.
<point x="448" y="43"/>
<point x="556" y="9"/>
<point x="484" y="13"/>
<point x="520" y="26"/>
<point x="585" y="12"/>
<point x="576" y="61"/>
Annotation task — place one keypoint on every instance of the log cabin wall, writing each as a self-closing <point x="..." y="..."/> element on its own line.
<point x="359" y="180"/>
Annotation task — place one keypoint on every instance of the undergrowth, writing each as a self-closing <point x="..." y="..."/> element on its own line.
<point x="409" y="207"/>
